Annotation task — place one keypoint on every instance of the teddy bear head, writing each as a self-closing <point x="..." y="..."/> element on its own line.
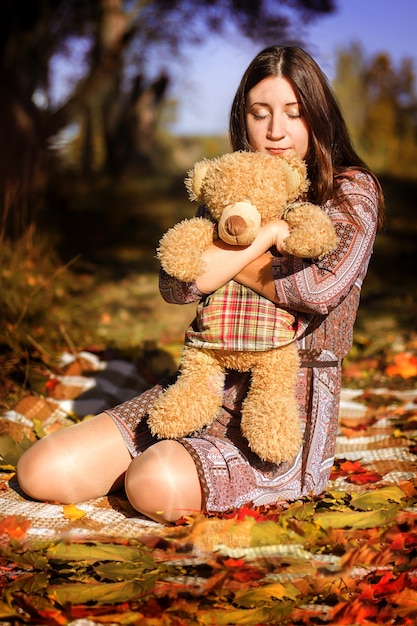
<point x="243" y="190"/>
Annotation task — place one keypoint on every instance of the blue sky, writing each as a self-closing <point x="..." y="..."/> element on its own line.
<point x="207" y="81"/>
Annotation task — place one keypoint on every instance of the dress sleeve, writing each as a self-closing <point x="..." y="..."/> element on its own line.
<point x="319" y="286"/>
<point x="175" y="291"/>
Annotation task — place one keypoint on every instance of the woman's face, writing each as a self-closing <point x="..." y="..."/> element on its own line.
<point x="273" y="121"/>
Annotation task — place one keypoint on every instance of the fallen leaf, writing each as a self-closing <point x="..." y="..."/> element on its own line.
<point x="354" y="472"/>
<point x="72" y="512"/>
<point x="235" y="616"/>
<point x="11" y="450"/>
<point x="378" y="499"/>
<point x="266" y="594"/>
<point x="93" y="552"/>
<point x="403" y="365"/>
<point x="356" y="520"/>
<point x="102" y="593"/>
<point x="14" y="527"/>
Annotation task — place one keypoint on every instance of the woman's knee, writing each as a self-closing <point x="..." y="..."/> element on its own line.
<point x="41" y="466"/>
<point x="163" y="484"/>
<point x="83" y="461"/>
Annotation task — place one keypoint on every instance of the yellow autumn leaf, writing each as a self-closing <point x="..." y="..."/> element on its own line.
<point x="72" y="512"/>
<point x="268" y="593"/>
<point x="356" y="519"/>
<point x="378" y="499"/>
<point x="6" y="467"/>
<point x="235" y="616"/>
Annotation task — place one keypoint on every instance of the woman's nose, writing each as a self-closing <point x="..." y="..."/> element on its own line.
<point x="276" y="128"/>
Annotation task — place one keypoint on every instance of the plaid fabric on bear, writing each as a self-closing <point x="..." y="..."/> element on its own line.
<point x="237" y="318"/>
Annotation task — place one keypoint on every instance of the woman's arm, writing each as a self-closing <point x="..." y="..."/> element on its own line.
<point x="296" y="283"/>
<point x="317" y="287"/>
<point x="224" y="262"/>
<point x="259" y="277"/>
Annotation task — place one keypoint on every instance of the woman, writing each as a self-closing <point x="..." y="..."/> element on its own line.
<point x="283" y="103"/>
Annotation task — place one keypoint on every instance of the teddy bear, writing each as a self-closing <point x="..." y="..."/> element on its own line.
<point x="236" y="328"/>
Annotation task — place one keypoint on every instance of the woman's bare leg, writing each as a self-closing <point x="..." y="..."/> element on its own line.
<point x="90" y="459"/>
<point x="163" y="484"/>
<point x="77" y="463"/>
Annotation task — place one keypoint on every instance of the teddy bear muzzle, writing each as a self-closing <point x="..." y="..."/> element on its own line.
<point x="239" y="224"/>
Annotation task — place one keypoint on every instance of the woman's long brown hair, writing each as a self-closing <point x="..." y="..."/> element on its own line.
<point x="331" y="153"/>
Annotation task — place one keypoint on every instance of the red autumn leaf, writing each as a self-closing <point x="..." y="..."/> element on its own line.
<point x="246" y="511"/>
<point x="241" y="571"/>
<point x="387" y="585"/>
<point x="51" y="384"/>
<point x="403" y="542"/>
<point x="390" y="583"/>
<point x="404" y="365"/>
<point x="54" y="617"/>
<point x="363" y="478"/>
<point x="234" y="562"/>
<point x="354" y="472"/>
<point x="247" y="574"/>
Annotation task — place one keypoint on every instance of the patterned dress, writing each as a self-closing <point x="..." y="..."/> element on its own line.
<point x="325" y="292"/>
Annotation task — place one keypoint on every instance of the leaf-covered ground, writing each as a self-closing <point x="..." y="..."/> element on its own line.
<point x="348" y="556"/>
<point x="337" y="559"/>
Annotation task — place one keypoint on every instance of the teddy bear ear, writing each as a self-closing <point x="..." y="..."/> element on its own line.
<point x="194" y="180"/>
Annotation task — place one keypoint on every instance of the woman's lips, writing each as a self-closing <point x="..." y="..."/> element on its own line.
<point x="276" y="150"/>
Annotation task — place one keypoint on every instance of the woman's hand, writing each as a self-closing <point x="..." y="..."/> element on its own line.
<point x="257" y="275"/>
<point x="278" y="230"/>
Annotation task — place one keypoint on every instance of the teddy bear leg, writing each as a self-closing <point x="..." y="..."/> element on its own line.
<point x="193" y="401"/>
<point x="270" y="413"/>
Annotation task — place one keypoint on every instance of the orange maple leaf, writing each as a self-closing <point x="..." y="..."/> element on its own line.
<point x="388" y="584"/>
<point x="356" y="612"/>
<point x="14" y="527"/>
<point x="404" y="365"/>
<point x="245" y="511"/>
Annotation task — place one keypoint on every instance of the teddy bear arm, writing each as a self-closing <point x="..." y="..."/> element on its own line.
<point x="312" y="234"/>
<point x="181" y="247"/>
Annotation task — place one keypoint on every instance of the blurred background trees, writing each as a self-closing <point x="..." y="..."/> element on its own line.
<point x="108" y="111"/>
<point x="121" y="49"/>
<point x="379" y="102"/>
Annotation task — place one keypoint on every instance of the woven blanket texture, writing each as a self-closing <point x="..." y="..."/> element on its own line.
<point x="91" y="385"/>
